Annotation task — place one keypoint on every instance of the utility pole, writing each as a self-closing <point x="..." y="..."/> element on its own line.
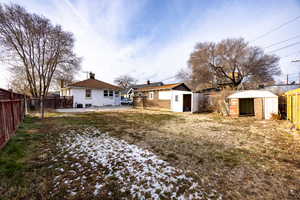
<point x="287" y="79"/>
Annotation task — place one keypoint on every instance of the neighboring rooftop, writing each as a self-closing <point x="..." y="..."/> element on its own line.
<point x="162" y="87"/>
<point x="142" y="86"/>
<point x="251" y="94"/>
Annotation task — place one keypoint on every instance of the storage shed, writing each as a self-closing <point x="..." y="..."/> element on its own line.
<point x="259" y="103"/>
<point x="293" y="106"/>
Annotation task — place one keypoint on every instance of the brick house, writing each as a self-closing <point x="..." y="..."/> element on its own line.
<point x="175" y="97"/>
<point x="259" y="103"/>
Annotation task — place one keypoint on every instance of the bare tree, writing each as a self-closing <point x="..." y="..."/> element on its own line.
<point x="125" y="81"/>
<point x="18" y="80"/>
<point x="40" y="48"/>
<point x="231" y="61"/>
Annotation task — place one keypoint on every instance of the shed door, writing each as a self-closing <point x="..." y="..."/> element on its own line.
<point x="246" y="106"/>
<point x="187" y="102"/>
<point x="271" y="106"/>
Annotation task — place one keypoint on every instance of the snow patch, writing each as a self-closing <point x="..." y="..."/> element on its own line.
<point x="136" y="171"/>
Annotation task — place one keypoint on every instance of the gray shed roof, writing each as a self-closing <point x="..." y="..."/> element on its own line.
<point x="251" y="94"/>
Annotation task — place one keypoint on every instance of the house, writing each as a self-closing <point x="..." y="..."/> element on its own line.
<point x="259" y="103"/>
<point x="175" y="97"/>
<point x="129" y="92"/>
<point x="92" y="92"/>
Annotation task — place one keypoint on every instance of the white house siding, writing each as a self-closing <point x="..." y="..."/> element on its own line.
<point x="65" y="92"/>
<point x="97" y="98"/>
<point x="270" y="106"/>
<point x="177" y="106"/>
<point x="165" y="95"/>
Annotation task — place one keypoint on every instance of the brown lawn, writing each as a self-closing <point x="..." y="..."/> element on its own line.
<point x="238" y="158"/>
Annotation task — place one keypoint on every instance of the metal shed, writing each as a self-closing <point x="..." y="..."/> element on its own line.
<point x="293" y="106"/>
<point x="259" y="103"/>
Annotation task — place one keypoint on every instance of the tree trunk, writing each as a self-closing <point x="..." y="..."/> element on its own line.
<point x="42" y="107"/>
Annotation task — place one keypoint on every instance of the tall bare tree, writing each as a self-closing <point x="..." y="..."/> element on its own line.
<point x="231" y="61"/>
<point x="125" y="81"/>
<point x="33" y="43"/>
<point x="18" y="81"/>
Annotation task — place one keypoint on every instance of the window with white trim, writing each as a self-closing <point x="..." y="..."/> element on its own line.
<point x="105" y="93"/>
<point x="111" y="93"/>
<point x="88" y="93"/>
<point x="176" y="98"/>
<point x="117" y="93"/>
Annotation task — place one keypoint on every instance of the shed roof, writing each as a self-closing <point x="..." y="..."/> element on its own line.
<point x="251" y="94"/>
<point x="94" y="84"/>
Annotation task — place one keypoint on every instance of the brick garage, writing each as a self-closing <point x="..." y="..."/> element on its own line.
<point x="259" y="103"/>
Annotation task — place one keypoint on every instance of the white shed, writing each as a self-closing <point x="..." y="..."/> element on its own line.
<point x="259" y="103"/>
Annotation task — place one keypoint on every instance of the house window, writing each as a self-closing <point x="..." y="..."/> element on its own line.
<point x="176" y="98"/>
<point x="106" y="93"/>
<point x="88" y="105"/>
<point x="151" y="95"/>
<point x="88" y="93"/>
<point x="117" y="93"/>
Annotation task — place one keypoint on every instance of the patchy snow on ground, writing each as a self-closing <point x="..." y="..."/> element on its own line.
<point x="134" y="171"/>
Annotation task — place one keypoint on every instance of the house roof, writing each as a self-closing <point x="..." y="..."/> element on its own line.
<point x="125" y="91"/>
<point x="162" y="87"/>
<point x="251" y="94"/>
<point x="94" y="84"/>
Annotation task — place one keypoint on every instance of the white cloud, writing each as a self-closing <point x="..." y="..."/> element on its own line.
<point x="102" y="28"/>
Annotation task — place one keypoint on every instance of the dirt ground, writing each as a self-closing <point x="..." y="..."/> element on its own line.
<point x="241" y="158"/>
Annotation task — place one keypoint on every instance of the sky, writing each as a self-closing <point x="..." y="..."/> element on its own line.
<point x="152" y="39"/>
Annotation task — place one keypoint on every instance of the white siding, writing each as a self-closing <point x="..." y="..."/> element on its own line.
<point x="65" y="92"/>
<point x="165" y="95"/>
<point x="97" y="98"/>
<point x="196" y="102"/>
<point x="270" y="106"/>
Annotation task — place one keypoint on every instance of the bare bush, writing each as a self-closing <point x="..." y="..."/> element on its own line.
<point x="219" y="101"/>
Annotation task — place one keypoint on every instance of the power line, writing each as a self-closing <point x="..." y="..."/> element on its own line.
<point x="292" y="54"/>
<point x="171" y="77"/>
<point x="283" y="41"/>
<point x="290" y="45"/>
<point x="276" y="28"/>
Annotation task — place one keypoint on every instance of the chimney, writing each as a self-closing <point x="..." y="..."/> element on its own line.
<point x="148" y="82"/>
<point x="62" y="83"/>
<point x="92" y="75"/>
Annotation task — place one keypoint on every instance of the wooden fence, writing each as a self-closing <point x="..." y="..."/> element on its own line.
<point x="12" y="112"/>
<point x="51" y="102"/>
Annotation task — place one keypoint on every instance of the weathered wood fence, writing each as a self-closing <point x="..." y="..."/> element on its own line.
<point x="12" y="112"/>
<point x="51" y="102"/>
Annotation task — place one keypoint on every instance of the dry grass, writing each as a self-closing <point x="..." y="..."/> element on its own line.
<point x="241" y="158"/>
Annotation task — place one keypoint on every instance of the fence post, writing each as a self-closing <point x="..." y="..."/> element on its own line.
<point x="55" y="102"/>
<point x="25" y="105"/>
<point x="12" y="109"/>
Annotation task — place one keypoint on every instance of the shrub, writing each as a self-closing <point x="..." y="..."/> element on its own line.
<point x="275" y="116"/>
